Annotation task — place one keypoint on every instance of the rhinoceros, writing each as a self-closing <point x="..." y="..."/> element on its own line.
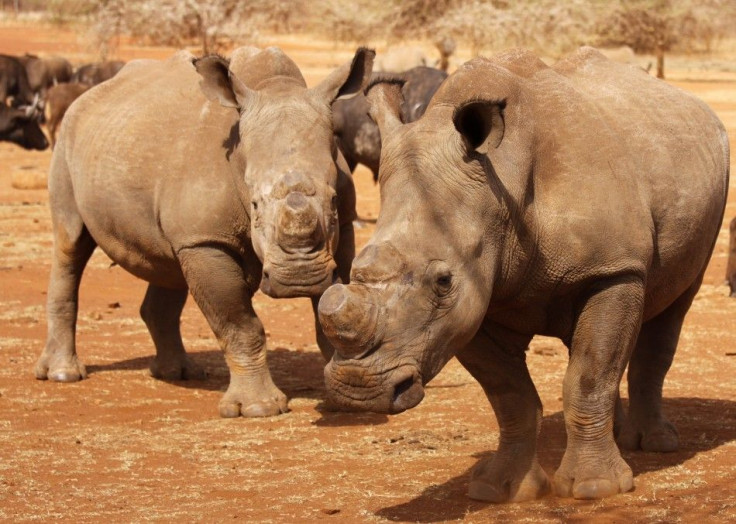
<point x="212" y="189"/>
<point x="580" y="201"/>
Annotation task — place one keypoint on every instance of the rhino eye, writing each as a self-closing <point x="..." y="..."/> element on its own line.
<point x="255" y="215"/>
<point x="439" y="278"/>
<point x="443" y="283"/>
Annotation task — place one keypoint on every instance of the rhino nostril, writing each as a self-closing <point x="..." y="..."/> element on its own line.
<point x="402" y="387"/>
<point x="407" y="394"/>
<point x="266" y="282"/>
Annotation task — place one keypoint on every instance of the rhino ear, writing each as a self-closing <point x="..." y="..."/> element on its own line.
<point x="481" y="123"/>
<point x="219" y="84"/>
<point x="385" y="101"/>
<point x="349" y="79"/>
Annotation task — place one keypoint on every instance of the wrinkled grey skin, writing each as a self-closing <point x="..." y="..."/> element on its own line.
<point x="580" y="201"/>
<point x="358" y="136"/>
<point x="213" y="189"/>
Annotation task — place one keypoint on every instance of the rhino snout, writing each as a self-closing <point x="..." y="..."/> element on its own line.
<point x="298" y="279"/>
<point x="391" y="391"/>
<point x="350" y="319"/>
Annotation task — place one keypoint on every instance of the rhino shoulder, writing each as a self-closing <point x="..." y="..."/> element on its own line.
<point x="582" y="58"/>
<point x="521" y="62"/>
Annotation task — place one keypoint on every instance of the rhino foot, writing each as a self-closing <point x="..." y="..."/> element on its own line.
<point x="176" y="369"/>
<point x="60" y="368"/>
<point x="494" y="481"/>
<point x="252" y="398"/>
<point x="660" y="437"/>
<point x="593" y="476"/>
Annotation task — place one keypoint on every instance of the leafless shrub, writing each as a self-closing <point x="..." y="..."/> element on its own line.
<point x="550" y="27"/>
<point x="417" y="18"/>
<point x="208" y="23"/>
<point x="705" y="23"/>
<point x="349" y="21"/>
<point x="62" y="11"/>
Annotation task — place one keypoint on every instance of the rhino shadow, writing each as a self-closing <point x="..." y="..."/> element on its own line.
<point x="704" y="424"/>
<point x="334" y="417"/>
<point x="299" y="374"/>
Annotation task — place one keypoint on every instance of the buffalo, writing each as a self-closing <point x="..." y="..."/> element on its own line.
<point x="14" y="83"/>
<point x="20" y="126"/>
<point x="58" y="100"/>
<point x="358" y="136"/>
<point x="96" y="73"/>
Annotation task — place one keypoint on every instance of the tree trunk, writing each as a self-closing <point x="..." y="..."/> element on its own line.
<point x="660" y="62"/>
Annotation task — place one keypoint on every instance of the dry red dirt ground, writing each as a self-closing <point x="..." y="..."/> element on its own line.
<point x="122" y="446"/>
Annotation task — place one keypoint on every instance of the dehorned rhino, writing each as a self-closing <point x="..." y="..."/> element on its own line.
<point x="213" y="189"/>
<point x="580" y="201"/>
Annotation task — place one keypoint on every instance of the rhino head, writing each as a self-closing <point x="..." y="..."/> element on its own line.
<point x="289" y="161"/>
<point x="421" y="287"/>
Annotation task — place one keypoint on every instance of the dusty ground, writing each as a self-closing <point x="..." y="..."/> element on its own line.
<point x="122" y="446"/>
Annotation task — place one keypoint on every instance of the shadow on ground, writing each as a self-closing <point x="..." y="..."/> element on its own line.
<point x="297" y="373"/>
<point x="704" y="424"/>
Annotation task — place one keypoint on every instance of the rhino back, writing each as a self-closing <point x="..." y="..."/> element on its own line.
<point x="620" y="171"/>
<point x="146" y="156"/>
<point x="650" y="160"/>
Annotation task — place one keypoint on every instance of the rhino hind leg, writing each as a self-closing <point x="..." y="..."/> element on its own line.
<point x="513" y="473"/>
<point x="646" y="427"/>
<point x="223" y="290"/>
<point x="73" y="246"/>
<point x="161" y="311"/>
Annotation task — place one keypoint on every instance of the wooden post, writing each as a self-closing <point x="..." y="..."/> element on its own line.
<point x="731" y="264"/>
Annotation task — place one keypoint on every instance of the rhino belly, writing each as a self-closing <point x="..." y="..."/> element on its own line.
<point x="128" y="232"/>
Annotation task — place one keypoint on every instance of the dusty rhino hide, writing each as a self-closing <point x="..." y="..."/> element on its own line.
<point x="580" y="201"/>
<point x="213" y="189"/>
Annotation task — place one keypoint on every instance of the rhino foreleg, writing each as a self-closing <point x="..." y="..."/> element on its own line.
<point x="161" y="311"/>
<point x="223" y="291"/>
<point x="73" y="247"/>
<point x="496" y="359"/>
<point x="603" y="338"/>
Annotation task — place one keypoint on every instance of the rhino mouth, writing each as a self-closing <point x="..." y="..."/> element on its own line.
<point x="296" y="277"/>
<point x="393" y="391"/>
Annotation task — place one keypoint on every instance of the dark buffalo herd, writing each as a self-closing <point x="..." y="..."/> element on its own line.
<point x="358" y="136"/>
<point x="36" y="90"/>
